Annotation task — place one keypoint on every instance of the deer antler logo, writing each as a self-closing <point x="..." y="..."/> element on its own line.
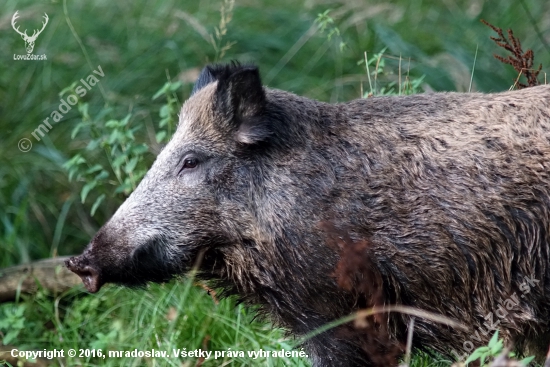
<point x="29" y="40"/>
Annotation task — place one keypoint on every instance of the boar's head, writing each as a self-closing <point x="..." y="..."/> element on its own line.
<point x="198" y="198"/>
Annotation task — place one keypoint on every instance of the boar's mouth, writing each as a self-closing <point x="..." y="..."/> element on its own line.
<point x="149" y="262"/>
<point x="90" y="275"/>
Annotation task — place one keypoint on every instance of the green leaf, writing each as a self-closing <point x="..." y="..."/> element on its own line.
<point x="93" y="144"/>
<point x="102" y="175"/>
<point x="160" y="136"/>
<point x="10" y="335"/>
<point x="68" y="89"/>
<point x="497" y="348"/>
<point x="342" y="46"/>
<point x="165" y="111"/>
<point x="72" y="172"/>
<point x="493" y="340"/>
<point x="139" y="149"/>
<point x="125" y="120"/>
<point x="115" y="137"/>
<point x="162" y="90"/>
<point x="477" y="354"/>
<point x="113" y="150"/>
<point x="86" y="190"/>
<point x="98" y="201"/>
<point x="117" y="163"/>
<point x="175" y="86"/>
<point x="83" y="109"/>
<point x="74" y="161"/>
<point x="130" y="135"/>
<point x="72" y="165"/>
<point x="131" y="165"/>
<point x="112" y="124"/>
<point x="527" y="360"/>
<point x="495" y="345"/>
<point x="120" y="189"/>
<point x="164" y="121"/>
<point x="93" y="169"/>
<point x="138" y="174"/>
<point x="125" y="188"/>
<point x="77" y="129"/>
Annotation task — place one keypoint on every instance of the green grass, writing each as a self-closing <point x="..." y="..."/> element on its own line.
<point x="164" y="317"/>
<point x="141" y="44"/>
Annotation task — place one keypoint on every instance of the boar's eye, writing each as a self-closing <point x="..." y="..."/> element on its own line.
<point x="189" y="162"/>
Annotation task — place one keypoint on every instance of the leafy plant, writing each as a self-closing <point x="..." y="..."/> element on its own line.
<point x="492" y="350"/>
<point x="328" y="27"/>
<point x="168" y="112"/>
<point x="123" y="154"/>
<point x="12" y="322"/>
<point x="376" y="68"/>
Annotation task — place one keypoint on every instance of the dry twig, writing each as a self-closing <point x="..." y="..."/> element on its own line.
<point x="521" y="61"/>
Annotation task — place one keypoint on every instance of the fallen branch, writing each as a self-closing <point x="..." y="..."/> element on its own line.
<point x="6" y="356"/>
<point x="50" y="274"/>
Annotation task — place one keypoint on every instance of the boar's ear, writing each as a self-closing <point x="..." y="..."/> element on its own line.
<point x="242" y="98"/>
<point x="206" y="76"/>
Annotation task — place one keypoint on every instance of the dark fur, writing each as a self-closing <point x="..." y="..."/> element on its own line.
<point x="451" y="191"/>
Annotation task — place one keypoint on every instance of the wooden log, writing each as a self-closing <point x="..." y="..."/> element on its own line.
<point x="5" y="356"/>
<point x="51" y="274"/>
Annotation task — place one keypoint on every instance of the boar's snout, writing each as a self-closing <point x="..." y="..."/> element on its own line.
<point x="90" y="274"/>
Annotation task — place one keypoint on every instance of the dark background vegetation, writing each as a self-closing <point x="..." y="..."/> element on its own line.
<point x="141" y="44"/>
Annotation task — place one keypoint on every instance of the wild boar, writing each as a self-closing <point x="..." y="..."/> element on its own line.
<point x="451" y="189"/>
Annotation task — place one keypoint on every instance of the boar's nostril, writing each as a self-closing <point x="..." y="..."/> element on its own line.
<point x="90" y="275"/>
<point x="71" y="263"/>
<point x="91" y="279"/>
